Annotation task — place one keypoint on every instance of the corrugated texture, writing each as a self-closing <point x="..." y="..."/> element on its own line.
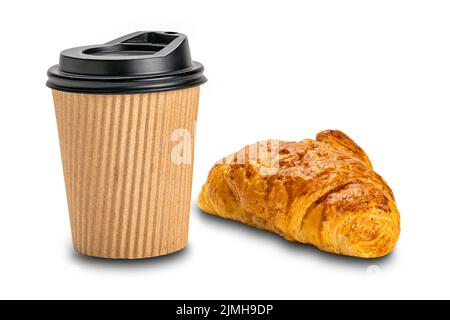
<point x="126" y="197"/>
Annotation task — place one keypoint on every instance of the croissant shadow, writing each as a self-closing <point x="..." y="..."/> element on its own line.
<point x="294" y="248"/>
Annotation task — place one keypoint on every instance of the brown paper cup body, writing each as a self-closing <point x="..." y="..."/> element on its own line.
<point x="127" y="163"/>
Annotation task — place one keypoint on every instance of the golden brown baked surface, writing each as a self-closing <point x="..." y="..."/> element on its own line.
<point x="321" y="192"/>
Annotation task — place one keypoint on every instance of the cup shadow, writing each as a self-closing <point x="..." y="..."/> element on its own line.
<point x="294" y="248"/>
<point x="159" y="261"/>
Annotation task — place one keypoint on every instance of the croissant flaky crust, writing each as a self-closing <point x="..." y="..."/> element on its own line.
<point x="322" y="192"/>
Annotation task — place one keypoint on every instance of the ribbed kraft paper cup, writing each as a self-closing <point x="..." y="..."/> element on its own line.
<point x="126" y="112"/>
<point x="127" y="163"/>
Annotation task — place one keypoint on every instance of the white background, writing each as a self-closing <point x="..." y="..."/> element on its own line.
<point x="377" y="70"/>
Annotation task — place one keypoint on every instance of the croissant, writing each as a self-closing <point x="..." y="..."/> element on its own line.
<point x="322" y="192"/>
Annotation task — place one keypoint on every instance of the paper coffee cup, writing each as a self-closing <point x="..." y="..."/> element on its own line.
<point x="126" y="114"/>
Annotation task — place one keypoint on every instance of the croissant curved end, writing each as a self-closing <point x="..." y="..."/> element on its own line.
<point x="367" y="237"/>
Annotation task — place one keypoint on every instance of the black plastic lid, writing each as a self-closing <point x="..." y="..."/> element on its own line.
<point x="146" y="61"/>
